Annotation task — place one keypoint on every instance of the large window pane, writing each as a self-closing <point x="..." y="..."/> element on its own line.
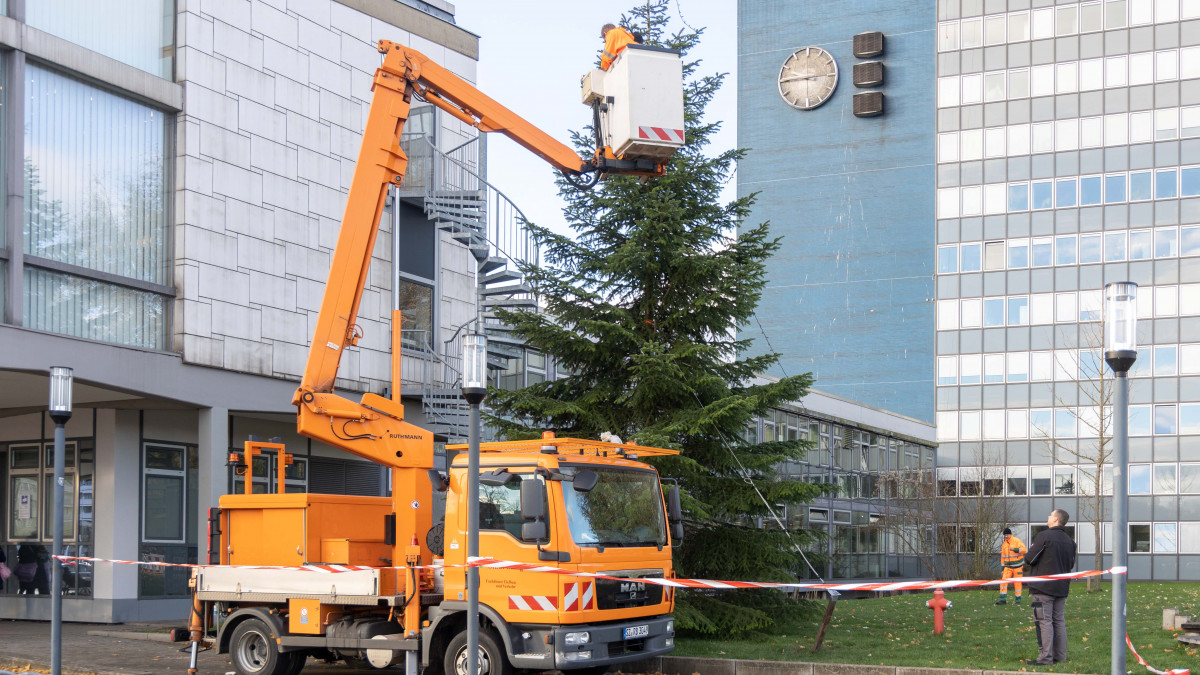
<point x="95" y="310"/>
<point x="140" y="34"/>
<point x="416" y="305"/>
<point x="95" y="179"/>
<point x="23" y="522"/>
<point x="163" y="513"/>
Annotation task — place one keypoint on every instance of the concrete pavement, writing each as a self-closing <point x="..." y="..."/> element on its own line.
<point x="27" y="643"/>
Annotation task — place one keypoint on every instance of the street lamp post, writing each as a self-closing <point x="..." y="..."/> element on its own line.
<point x="474" y="390"/>
<point x="1120" y="352"/>
<point x="60" y="412"/>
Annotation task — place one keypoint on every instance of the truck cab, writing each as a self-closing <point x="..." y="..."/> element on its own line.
<point x="579" y="511"/>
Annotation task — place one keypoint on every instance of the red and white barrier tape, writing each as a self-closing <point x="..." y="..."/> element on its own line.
<point x="492" y="563"/>
<point x="1173" y="671"/>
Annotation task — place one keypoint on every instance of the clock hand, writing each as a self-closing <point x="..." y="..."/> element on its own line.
<point x="800" y="77"/>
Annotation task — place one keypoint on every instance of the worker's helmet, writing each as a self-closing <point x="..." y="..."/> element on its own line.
<point x="1007" y="531"/>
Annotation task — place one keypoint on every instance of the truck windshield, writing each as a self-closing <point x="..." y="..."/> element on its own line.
<point x="624" y="509"/>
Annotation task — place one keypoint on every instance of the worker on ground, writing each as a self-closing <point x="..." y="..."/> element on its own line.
<point x="1012" y="559"/>
<point x="1052" y="552"/>
<point x="616" y="39"/>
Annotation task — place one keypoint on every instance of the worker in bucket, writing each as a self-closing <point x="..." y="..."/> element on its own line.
<point x="616" y="39"/>
<point x="1012" y="559"/>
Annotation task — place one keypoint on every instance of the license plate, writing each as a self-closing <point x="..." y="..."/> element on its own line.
<point x="636" y="631"/>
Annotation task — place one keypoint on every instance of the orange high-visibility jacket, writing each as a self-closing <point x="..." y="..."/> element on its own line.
<point x="614" y="43"/>
<point x="1012" y="552"/>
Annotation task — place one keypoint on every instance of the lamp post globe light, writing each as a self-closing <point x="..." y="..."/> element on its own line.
<point x="60" y="412"/>
<point x="474" y="390"/>
<point x="1120" y="352"/>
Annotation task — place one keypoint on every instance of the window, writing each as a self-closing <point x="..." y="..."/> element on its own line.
<point x="1039" y="423"/>
<point x="1190" y="244"/>
<point x="1018" y="311"/>
<point x="1114" y="14"/>
<point x="1139" y="479"/>
<point x="947" y="259"/>
<point x="1114" y="188"/>
<point x="1189" y="479"/>
<point x="993" y="255"/>
<point x="30" y="491"/>
<point x="137" y="35"/>
<point x="1066" y="23"/>
<point x="972" y="314"/>
<point x="1018" y="367"/>
<point x="1139" y="538"/>
<point x="1164" y="479"/>
<point x="1018" y="27"/>
<point x="1041" y="366"/>
<point x="1090" y="305"/>
<point x="1043" y="23"/>
<point x="1114" y="247"/>
<point x="1041" y="308"/>
<point x="1064" y="250"/>
<point x="1091" y="18"/>
<point x="1018" y="197"/>
<point x="1017" y="482"/>
<point x="1064" y="480"/>
<point x="947" y="36"/>
<point x="1189" y="118"/>
<point x="968" y="426"/>
<point x="1166" y="239"/>
<point x="1039" y="480"/>
<point x="1091" y="129"/>
<point x="164" y="491"/>
<point x="1166" y="124"/>
<point x="993" y="368"/>
<point x="947" y="370"/>
<point x="947" y="482"/>
<point x="1018" y="253"/>
<point x="1139" y="245"/>
<point x="1065" y="308"/>
<point x="993" y="312"/>
<point x="416" y="304"/>
<point x="972" y="89"/>
<point x="1189" y="181"/>
<point x="1166" y="66"/>
<point x="535" y="367"/>
<point x="1140" y="186"/>
<point x="1090" y="190"/>
<point x="1165" y="419"/>
<point x="1166" y="302"/>
<point x="1189" y="418"/>
<point x="971" y="259"/>
<point x="1018" y="86"/>
<point x="969" y="369"/>
<point x="1042" y="134"/>
<point x="1064" y="423"/>
<point x="993" y="90"/>
<point x="1065" y="193"/>
<point x="1166" y="538"/>
<point x="78" y="188"/>
<point x="971" y="31"/>
<point x="1141" y="68"/>
<point x="948" y="147"/>
<point x="1115" y="74"/>
<point x="1018" y="423"/>
<point x="994" y="33"/>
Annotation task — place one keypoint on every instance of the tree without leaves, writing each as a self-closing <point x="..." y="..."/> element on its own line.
<point x="642" y="310"/>
<point x="1093" y="449"/>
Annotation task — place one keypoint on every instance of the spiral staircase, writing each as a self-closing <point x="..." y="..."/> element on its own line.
<point x="458" y="200"/>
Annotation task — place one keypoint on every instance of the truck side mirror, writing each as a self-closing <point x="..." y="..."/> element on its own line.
<point x="675" y="513"/>
<point x="533" y="511"/>
<point x="585" y="480"/>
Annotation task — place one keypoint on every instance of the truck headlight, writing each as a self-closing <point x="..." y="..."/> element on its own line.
<point x="669" y="642"/>
<point x="671" y="626"/>
<point x="580" y="638"/>
<point x="578" y="656"/>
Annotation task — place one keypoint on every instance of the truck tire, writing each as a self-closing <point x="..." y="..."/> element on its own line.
<point x="492" y="659"/>
<point x="252" y="651"/>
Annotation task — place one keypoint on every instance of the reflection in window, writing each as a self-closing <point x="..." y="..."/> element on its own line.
<point x="1166" y="538"/>
<point x="947" y="259"/>
<point x="1039" y="480"/>
<point x="1114" y="189"/>
<point x="416" y="305"/>
<point x="1164" y="419"/>
<point x="993" y="312"/>
<point x="1139" y="479"/>
<point x="1065" y="193"/>
<point x="1043" y="195"/>
<point x="1139" y="420"/>
<point x="1189" y="479"/>
<point x="95" y="197"/>
<point x="1164" y="184"/>
<point x="1017" y="481"/>
<point x="1165" y="243"/>
<point x="141" y="34"/>
<point x="1140" y="186"/>
<point x="1164" y="479"/>
<point x="1139" y="245"/>
<point x="1018" y="197"/>
<point x="1089" y="248"/>
<point x="1189" y="181"/>
<point x="1114" y="247"/>
<point x="1018" y="254"/>
<point x="971" y="260"/>
<point x="1090" y="190"/>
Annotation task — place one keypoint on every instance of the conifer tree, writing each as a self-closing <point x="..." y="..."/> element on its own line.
<point x="642" y="308"/>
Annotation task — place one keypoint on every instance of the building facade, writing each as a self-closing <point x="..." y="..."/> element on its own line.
<point x="1067" y="151"/>
<point x="175" y="179"/>
<point x="849" y="293"/>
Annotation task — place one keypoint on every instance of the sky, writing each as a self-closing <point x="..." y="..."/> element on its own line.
<point x="532" y="54"/>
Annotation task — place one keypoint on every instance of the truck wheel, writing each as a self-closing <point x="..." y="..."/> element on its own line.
<point x="492" y="660"/>
<point x="252" y="650"/>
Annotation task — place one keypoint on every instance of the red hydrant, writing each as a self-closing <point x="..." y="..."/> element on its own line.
<point x="939" y="604"/>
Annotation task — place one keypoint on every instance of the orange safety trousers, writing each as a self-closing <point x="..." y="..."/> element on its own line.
<point x="1011" y="573"/>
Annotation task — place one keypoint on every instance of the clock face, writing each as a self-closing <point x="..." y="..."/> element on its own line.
<point x="808" y="78"/>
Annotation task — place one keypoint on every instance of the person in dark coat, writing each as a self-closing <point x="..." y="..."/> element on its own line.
<point x="26" y="569"/>
<point x="1052" y="552"/>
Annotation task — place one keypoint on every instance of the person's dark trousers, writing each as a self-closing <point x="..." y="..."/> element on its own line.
<point x="1051" y="625"/>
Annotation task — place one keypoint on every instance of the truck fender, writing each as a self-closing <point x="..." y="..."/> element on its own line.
<point x="262" y="613"/>
<point x="450" y="617"/>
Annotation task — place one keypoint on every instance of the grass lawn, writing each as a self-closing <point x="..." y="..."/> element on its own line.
<point x="898" y="631"/>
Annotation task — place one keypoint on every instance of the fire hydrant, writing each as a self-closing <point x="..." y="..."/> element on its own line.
<point x="939" y="604"/>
